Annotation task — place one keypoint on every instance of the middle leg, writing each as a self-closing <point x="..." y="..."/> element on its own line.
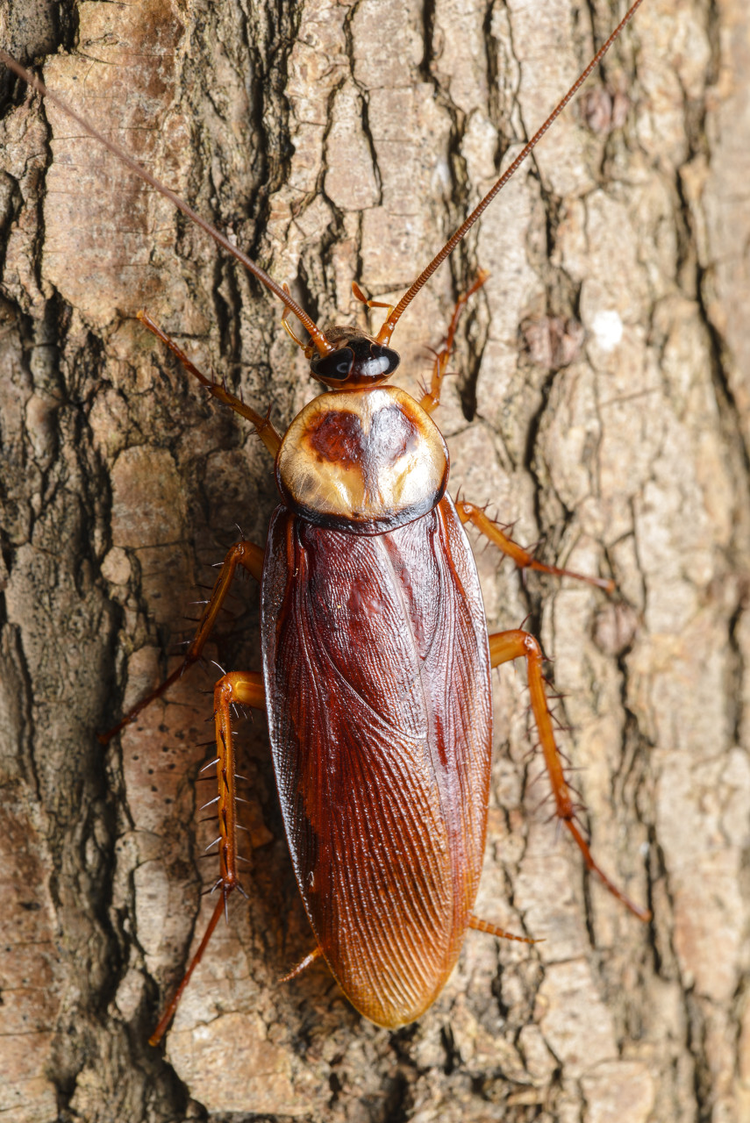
<point x="468" y="512"/>
<point x="244" y="554"/>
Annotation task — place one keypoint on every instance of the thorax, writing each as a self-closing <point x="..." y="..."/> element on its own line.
<point x="364" y="461"/>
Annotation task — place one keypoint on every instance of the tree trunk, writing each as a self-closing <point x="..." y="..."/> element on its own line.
<point x="600" y="405"/>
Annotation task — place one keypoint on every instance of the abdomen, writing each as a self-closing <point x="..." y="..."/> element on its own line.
<point x="376" y="667"/>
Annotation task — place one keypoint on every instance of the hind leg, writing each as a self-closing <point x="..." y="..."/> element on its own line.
<point x="517" y="644"/>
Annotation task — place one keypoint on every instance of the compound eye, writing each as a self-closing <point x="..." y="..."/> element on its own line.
<point x="382" y="361"/>
<point x="336" y="365"/>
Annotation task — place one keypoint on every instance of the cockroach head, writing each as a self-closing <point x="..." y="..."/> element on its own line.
<point x="356" y="361"/>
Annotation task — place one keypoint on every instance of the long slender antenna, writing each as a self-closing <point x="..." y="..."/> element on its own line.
<point x="386" y="331"/>
<point x="319" y="339"/>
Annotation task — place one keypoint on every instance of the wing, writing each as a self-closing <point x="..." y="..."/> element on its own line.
<point x="377" y="682"/>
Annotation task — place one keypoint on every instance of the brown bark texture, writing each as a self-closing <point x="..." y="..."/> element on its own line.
<point x="601" y="404"/>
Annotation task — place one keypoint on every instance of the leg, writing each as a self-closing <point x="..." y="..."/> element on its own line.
<point x="431" y="400"/>
<point x="493" y="930"/>
<point x="467" y="512"/>
<point x="302" y="965"/>
<point x="250" y="557"/>
<point x="263" y="426"/>
<point x="244" y="688"/>
<point x="517" y="644"/>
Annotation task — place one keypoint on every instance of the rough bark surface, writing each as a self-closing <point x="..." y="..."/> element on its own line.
<point x="602" y="405"/>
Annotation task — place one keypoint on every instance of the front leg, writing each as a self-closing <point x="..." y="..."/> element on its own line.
<point x="431" y="398"/>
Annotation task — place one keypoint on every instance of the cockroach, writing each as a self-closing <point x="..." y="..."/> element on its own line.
<point x="376" y="657"/>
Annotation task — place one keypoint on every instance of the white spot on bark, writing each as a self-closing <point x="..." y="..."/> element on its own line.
<point x="607" y="328"/>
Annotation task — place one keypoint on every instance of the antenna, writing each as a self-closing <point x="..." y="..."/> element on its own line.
<point x="386" y="331"/>
<point x="318" y="338"/>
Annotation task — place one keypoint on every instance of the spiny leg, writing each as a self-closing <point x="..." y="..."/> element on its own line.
<point x="468" y="512"/>
<point x="236" y="688"/>
<point x="517" y="644"/>
<point x="265" y="430"/>
<point x="431" y="399"/>
<point x="243" y="688"/>
<point x="245" y="554"/>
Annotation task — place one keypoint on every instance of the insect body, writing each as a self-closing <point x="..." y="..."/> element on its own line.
<point x="376" y="672"/>
<point x="376" y="668"/>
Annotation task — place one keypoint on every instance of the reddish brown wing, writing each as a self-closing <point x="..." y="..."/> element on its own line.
<point x="377" y="684"/>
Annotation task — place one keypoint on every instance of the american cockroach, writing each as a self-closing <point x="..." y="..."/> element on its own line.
<point x="376" y="659"/>
<point x="347" y="448"/>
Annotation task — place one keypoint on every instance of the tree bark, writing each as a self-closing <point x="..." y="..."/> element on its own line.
<point x="601" y="405"/>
